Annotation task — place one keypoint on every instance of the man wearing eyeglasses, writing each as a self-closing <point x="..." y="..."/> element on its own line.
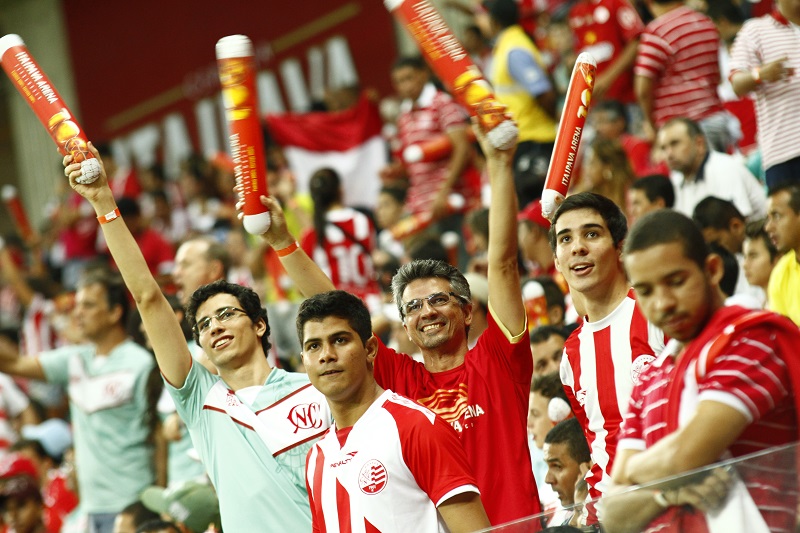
<point x="252" y="424"/>
<point x="482" y="392"/>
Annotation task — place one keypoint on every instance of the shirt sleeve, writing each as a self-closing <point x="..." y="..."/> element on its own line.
<point x="628" y="21"/>
<point x="653" y="55"/>
<point x="630" y="435"/>
<point x="749" y="373"/>
<point x="434" y="455"/>
<point x="515" y="355"/>
<point x="398" y="372"/>
<point x="55" y="365"/>
<point x="190" y="398"/>
<point x="744" y="54"/>
<point x="527" y="72"/>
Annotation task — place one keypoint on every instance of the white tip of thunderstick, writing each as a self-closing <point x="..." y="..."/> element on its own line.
<point x="391" y="5"/>
<point x="412" y="153"/>
<point x="234" y="46"/>
<point x="8" y="41"/>
<point x="550" y="201"/>
<point x="504" y="135"/>
<point x="90" y="171"/>
<point x="9" y="192"/>
<point x="257" y="224"/>
<point x="450" y="239"/>
<point x="586" y="57"/>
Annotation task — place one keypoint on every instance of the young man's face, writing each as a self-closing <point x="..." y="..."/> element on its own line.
<point x="639" y="205"/>
<point x="674" y="293"/>
<point x="562" y="471"/>
<point x="538" y="421"/>
<point x="92" y="315"/>
<point x="408" y="82"/>
<point x="338" y="363"/>
<point x="757" y="262"/>
<point x="585" y="251"/>
<point x="547" y="355"/>
<point x="230" y="337"/>
<point x="783" y="222"/>
<point x="443" y="327"/>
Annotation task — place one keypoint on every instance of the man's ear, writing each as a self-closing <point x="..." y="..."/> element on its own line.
<point x="372" y="349"/>
<point x="714" y="268"/>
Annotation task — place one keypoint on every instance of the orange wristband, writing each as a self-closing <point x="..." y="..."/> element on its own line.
<point x="108" y="217"/>
<point x="283" y="252"/>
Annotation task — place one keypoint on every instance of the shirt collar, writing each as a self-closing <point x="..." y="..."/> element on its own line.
<point x="701" y="170"/>
<point x="425" y="99"/>
<point x="777" y="15"/>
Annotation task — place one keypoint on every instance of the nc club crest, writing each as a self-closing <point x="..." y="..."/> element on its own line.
<point x="373" y="477"/>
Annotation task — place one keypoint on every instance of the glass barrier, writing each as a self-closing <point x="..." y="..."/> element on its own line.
<point x="756" y="493"/>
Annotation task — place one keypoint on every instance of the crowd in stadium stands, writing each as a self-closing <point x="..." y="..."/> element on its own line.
<point x="447" y="357"/>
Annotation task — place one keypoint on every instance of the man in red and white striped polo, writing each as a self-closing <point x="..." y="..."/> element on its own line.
<point x="603" y="357"/>
<point x="677" y="72"/>
<point x="764" y="61"/>
<point x="725" y="385"/>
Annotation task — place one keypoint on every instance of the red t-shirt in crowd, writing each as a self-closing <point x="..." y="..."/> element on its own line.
<point x="486" y="400"/>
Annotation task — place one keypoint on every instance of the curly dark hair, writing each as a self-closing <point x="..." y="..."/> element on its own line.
<point x="248" y="300"/>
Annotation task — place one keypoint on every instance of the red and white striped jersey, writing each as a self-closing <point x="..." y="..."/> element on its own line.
<point x="388" y="472"/>
<point x="345" y="256"/>
<point x="748" y="376"/>
<point x="680" y="51"/>
<point x="38" y="333"/>
<point x="602" y="361"/>
<point x="761" y="41"/>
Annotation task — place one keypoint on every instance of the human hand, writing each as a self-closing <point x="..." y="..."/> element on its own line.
<point x="776" y="70"/>
<point x="277" y="235"/>
<point x="706" y="495"/>
<point x="93" y="190"/>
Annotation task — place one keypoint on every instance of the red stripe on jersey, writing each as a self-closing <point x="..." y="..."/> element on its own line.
<point x="343" y="506"/>
<point x="315" y="495"/>
<point x="369" y="528"/>
<point x="607" y="390"/>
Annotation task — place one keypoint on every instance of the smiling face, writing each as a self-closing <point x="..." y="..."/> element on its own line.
<point x="233" y="342"/>
<point x="338" y="363"/>
<point x="585" y="252"/>
<point x="674" y="293"/>
<point x="436" y="328"/>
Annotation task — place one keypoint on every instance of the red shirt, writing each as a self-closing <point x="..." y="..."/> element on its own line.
<point x="680" y="52"/>
<point x="750" y="376"/>
<point x="345" y="255"/>
<point x="603" y="28"/>
<point x="486" y="401"/>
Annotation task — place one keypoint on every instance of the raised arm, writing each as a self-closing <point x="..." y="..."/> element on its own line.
<point x="305" y="273"/>
<point x="505" y="293"/>
<point x="163" y="329"/>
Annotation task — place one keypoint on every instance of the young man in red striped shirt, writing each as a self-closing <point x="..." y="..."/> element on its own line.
<point x="677" y="72"/>
<point x="604" y="356"/>
<point x="725" y="384"/>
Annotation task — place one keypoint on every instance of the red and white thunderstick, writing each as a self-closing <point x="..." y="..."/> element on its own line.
<point x="434" y="149"/>
<point x="237" y="75"/>
<point x="17" y="211"/>
<point x="568" y="137"/>
<point x="41" y="95"/>
<point x="452" y="64"/>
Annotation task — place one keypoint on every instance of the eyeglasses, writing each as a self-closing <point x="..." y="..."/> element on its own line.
<point x="437" y="299"/>
<point x="222" y="315"/>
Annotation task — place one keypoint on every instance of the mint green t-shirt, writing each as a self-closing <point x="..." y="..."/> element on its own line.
<point x="257" y="492"/>
<point x="108" y="408"/>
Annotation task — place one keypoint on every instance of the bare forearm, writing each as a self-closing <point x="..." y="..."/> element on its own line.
<point x="629" y="512"/>
<point x="743" y="82"/>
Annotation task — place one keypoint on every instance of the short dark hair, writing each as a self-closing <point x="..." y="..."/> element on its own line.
<point x="504" y="12"/>
<point x="656" y="186"/>
<point x="549" y="386"/>
<point x="692" y="127"/>
<point x="666" y="226"/>
<point x="397" y="192"/>
<point x="569" y="432"/>
<point x="427" y="247"/>
<point x="415" y="62"/>
<point x="248" y="300"/>
<point x="339" y="304"/>
<point x="614" y="108"/>
<point x="553" y="294"/>
<point x="716" y="213"/>
<point x="754" y="230"/>
<point x="139" y="513"/>
<point x="794" y="194"/>
<point x="730" y="268"/>
<point x="610" y="212"/>
<point x="116" y="292"/>
<point x="428" y="268"/>
<point x="128" y="207"/>
<point x="725" y="9"/>
<point x="542" y="333"/>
